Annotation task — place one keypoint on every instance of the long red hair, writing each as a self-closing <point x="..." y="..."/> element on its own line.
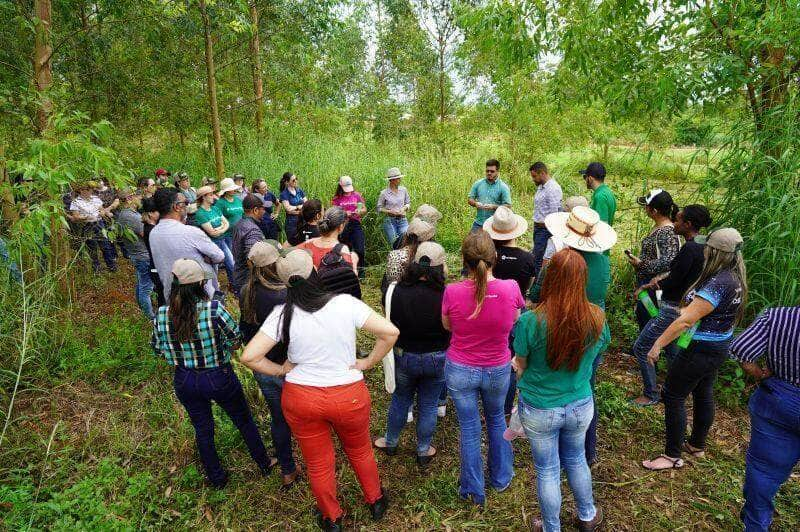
<point x="573" y="323"/>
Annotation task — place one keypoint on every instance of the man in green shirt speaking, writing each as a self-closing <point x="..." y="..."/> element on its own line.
<point x="487" y="194"/>
<point x="603" y="200"/>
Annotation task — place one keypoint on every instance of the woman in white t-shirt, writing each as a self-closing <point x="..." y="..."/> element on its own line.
<point x="324" y="386"/>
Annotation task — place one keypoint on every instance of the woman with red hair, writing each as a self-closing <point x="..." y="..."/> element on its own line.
<point x="555" y="345"/>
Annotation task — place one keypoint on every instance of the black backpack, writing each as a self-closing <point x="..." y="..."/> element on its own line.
<point x="337" y="275"/>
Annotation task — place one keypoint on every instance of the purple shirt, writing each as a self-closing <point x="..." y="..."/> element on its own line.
<point x="349" y="203"/>
<point x="482" y="341"/>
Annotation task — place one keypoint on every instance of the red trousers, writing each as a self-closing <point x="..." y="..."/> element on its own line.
<point x="312" y="412"/>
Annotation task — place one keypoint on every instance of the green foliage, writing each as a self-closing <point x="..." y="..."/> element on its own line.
<point x="693" y="132"/>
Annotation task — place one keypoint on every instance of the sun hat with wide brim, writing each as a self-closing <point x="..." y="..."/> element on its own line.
<point x="394" y="173"/>
<point x="505" y="225"/>
<point x="581" y="229"/>
<point x="227" y="185"/>
<point x="204" y="190"/>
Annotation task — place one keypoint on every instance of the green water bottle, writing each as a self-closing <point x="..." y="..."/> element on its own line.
<point x="644" y="297"/>
<point x="686" y="337"/>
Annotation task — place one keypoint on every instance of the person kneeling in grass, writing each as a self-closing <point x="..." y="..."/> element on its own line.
<point x="197" y="336"/>
<point x="713" y="306"/>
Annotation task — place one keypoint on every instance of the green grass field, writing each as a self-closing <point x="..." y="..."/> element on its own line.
<point x="98" y="441"/>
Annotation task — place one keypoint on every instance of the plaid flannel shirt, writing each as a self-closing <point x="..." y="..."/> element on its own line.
<point x="217" y="332"/>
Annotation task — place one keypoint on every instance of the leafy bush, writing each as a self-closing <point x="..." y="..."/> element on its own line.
<point x="693" y="132"/>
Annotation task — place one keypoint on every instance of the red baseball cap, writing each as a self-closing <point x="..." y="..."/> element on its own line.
<point x="161" y="171"/>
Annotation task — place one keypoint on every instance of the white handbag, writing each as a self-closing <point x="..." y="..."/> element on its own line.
<point x="388" y="360"/>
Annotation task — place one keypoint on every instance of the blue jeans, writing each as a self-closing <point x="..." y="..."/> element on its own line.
<point x="667" y="313"/>
<point x="224" y="244"/>
<point x="144" y="286"/>
<point x="556" y="436"/>
<point x="591" y="432"/>
<point x="272" y="387"/>
<point x="475" y="226"/>
<point x="774" y="449"/>
<point x="353" y="237"/>
<point x="540" y="237"/>
<point x="466" y="385"/>
<point x="196" y="389"/>
<point x="394" y="228"/>
<point x="421" y="374"/>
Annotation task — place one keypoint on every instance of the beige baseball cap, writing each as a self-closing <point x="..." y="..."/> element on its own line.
<point x="296" y="263"/>
<point x="346" y="182"/>
<point x="575" y="201"/>
<point x="264" y="253"/>
<point x="431" y="252"/>
<point x="428" y="213"/>
<point x="188" y="271"/>
<point x="726" y="239"/>
<point x="422" y="229"/>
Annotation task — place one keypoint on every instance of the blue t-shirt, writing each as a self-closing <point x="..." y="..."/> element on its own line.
<point x="496" y="193"/>
<point x="724" y="293"/>
<point x="293" y="199"/>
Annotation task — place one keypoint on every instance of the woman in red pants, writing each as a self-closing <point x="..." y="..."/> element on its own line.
<point x="324" y="386"/>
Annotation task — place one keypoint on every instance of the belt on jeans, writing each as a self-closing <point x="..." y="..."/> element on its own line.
<point x="202" y="370"/>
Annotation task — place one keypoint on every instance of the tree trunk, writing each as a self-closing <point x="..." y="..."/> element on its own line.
<point x="42" y="53"/>
<point x="255" y="63"/>
<point x="441" y="80"/>
<point x="211" y="86"/>
<point x="9" y="210"/>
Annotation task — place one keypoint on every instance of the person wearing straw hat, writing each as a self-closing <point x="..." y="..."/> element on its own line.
<point x="711" y="309"/>
<point x="197" y="335"/>
<point x="354" y="206"/>
<point x="512" y="263"/>
<point x="582" y="230"/>
<point x="210" y="219"/>
<point x="418" y="231"/>
<point x="488" y="193"/>
<point x="229" y="205"/>
<point x="324" y="390"/>
<point x="260" y="295"/>
<point x="394" y="202"/>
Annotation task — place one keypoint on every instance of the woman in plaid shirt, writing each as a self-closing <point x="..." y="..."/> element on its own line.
<point x="197" y="336"/>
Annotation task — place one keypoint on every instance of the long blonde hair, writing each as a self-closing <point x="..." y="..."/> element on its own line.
<point x="266" y="276"/>
<point x="479" y="257"/>
<point x="717" y="261"/>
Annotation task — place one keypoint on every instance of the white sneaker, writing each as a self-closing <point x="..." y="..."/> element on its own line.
<point x="410" y="418"/>
<point x="441" y="411"/>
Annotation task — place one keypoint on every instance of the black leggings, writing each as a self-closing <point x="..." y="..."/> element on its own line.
<point x="694" y="372"/>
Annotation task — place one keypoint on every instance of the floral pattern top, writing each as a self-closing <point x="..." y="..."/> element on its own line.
<point x="396" y="264"/>
<point x="659" y="248"/>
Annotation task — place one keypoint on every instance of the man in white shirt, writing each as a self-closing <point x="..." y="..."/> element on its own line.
<point x="547" y="200"/>
<point x="86" y="211"/>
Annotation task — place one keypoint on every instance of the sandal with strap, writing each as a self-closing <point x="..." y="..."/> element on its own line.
<point x="676" y="463"/>
<point x="694" y="452"/>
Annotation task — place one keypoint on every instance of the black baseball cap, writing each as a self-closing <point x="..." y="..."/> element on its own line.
<point x="595" y="170"/>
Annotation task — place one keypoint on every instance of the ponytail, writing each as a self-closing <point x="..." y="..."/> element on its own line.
<point x="673" y="212"/>
<point x="480" y="275"/>
<point x="479" y="257"/>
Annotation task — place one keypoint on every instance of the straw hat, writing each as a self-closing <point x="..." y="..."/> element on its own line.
<point x="188" y="271"/>
<point x="204" y="190"/>
<point x="505" y="225"/>
<point x="227" y="185"/>
<point x="393" y="173"/>
<point x="581" y="229"/>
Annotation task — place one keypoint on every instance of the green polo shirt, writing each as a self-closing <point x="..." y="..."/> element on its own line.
<point x="232" y="210"/>
<point x="604" y="202"/>
<point x="598" y="277"/>
<point x="496" y="193"/>
<point x="540" y="385"/>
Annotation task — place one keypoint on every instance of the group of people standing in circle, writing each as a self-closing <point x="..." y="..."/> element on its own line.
<point x="531" y="322"/>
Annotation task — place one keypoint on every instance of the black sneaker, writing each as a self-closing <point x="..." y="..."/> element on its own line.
<point x="325" y="523"/>
<point x="378" y="508"/>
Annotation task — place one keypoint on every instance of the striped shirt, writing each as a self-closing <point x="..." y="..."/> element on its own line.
<point x="211" y="344"/>
<point x="776" y="334"/>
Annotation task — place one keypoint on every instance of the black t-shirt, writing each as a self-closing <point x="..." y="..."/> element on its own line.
<point x="147" y="228"/>
<point x="266" y="300"/>
<point x="684" y="270"/>
<point x="306" y="233"/>
<point x="515" y="263"/>
<point x="417" y="312"/>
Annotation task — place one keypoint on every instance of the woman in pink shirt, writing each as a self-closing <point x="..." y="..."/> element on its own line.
<point x="353" y="204"/>
<point x="480" y="312"/>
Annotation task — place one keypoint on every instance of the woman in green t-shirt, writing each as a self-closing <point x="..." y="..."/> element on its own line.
<point x="555" y="345"/>
<point x="209" y="218"/>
